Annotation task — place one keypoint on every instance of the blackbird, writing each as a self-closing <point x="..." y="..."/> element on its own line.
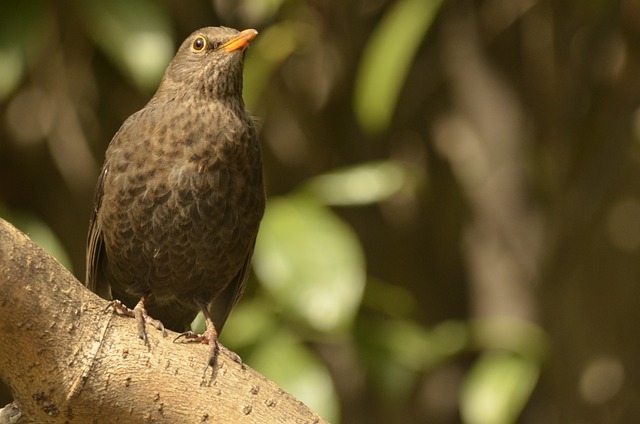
<point x="180" y="196"/>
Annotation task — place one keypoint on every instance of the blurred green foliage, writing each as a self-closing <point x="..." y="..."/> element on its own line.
<point x="451" y="233"/>
<point x="303" y="241"/>
<point x="497" y="388"/>
<point x="387" y="59"/>
<point x="135" y="34"/>
<point x="20" y="38"/>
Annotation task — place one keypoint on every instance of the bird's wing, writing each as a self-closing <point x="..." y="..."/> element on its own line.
<point x="96" y="254"/>
<point x="222" y="305"/>
<point x="94" y="278"/>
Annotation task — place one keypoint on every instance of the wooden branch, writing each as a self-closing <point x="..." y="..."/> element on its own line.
<point x="68" y="361"/>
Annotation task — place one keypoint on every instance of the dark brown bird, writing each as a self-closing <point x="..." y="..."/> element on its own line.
<point x="181" y="195"/>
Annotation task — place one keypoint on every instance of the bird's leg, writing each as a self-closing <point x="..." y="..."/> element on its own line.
<point x="139" y="312"/>
<point x="210" y="337"/>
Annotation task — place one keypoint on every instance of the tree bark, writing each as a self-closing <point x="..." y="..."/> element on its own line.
<point x="67" y="360"/>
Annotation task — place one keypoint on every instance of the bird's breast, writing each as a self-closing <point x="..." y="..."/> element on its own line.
<point x="190" y="213"/>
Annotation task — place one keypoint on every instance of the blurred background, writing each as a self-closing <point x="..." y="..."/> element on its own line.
<point x="453" y="227"/>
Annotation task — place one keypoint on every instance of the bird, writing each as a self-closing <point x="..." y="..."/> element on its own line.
<point x="180" y="196"/>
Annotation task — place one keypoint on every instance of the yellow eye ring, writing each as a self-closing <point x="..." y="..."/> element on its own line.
<point x="199" y="44"/>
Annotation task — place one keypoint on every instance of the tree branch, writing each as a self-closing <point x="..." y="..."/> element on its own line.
<point x="68" y="361"/>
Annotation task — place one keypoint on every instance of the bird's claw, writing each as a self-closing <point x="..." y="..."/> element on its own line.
<point x="141" y="316"/>
<point x="214" y="349"/>
<point x="193" y="337"/>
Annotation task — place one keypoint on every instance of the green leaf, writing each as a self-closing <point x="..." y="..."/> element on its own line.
<point x="250" y="322"/>
<point x="497" y="388"/>
<point x="361" y="184"/>
<point x="290" y="364"/>
<point x="11" y="70"/>
<point x="311" y="263"/>
<point x="389" y="299"/>
<point x="386" y="61"/>
<point x="22" y="25"/>
<point x="267" y="52"/>
<point x="511" y="334"/>
<point x="398" y="359"/>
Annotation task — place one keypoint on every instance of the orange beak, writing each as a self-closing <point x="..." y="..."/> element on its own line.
<point x="240" y="42"/>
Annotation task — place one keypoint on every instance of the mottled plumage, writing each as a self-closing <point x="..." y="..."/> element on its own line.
<point x="181" y="194"/>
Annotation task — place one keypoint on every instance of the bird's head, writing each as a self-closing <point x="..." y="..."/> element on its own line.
<point x="210" y="62"/>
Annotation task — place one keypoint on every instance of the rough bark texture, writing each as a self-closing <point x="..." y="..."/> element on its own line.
<point x="69" y="361"/>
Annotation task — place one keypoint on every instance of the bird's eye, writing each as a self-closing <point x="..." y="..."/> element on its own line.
<point x="199" y="44"/>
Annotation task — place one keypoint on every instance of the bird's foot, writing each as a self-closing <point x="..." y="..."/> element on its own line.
<point x="139" y="312"/>
<point x="210" y="337"/>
